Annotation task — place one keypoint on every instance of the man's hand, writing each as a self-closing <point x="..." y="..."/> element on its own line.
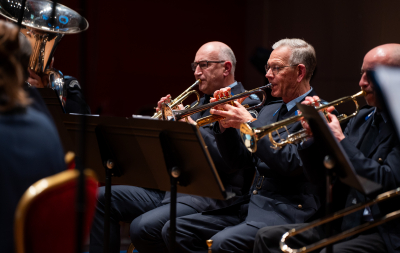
<point x="334" y="124"/>
<point x="166" y="99"/>
<point x="234" y="115"/>
<point x="37" y="81"/>
<point x="335" y="127"/>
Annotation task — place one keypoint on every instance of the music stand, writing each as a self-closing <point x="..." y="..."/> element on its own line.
<point x="335" y="161"/>
<point x="386" y="85"/>
<point x="165" y="155"/>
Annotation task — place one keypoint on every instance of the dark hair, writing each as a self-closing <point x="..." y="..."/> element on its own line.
<point x="11" y="71"/>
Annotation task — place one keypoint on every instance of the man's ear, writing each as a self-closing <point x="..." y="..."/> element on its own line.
<point x="301" y="72"/>
<point x="227" y="68"/>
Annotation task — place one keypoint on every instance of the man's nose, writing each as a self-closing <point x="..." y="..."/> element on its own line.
<point x="364" y="81"/>
<point x="269" y="74"/>
<point x="198" y="71"/>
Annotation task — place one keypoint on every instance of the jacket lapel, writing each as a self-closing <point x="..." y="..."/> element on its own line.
<point x="382" y="136"/>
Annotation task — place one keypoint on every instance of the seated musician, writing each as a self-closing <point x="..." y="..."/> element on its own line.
<point x="373" y="150"/>
<point x="30" y="148"/>
<point x="75" y="101"/>
<point x="148" y="209"/>
<point x="280" y="192"/>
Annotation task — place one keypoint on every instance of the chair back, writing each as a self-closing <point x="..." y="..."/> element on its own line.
<point x="45" y="218"/>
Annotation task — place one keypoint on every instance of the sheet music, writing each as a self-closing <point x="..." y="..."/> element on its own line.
<point x="388" y="79"/>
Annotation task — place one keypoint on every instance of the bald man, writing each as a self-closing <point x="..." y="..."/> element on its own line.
<point x="147" y="209"/>
<point x="374" y="151"/>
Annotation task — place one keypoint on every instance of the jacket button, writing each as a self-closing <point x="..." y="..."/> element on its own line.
<point x="380" y="160"/>
<point x="300" y="206"/>
<point x="255" y="192"/>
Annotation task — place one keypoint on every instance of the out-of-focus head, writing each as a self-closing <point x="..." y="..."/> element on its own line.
<point x="290" y="67"/>
<point x="215" y="65"/>
<point x="11" y="71"/>
<point x="24" y="54"/>
<point x="387" y="54"/>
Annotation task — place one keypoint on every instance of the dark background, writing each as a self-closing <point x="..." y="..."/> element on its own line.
<point x="138" y="51"/>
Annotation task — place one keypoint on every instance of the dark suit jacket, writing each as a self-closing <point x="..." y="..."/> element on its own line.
<point x="382" y="165"/>
<point x="233" y="180"/>
<point x="283" y="195"/>
<point x="30" y="149"/>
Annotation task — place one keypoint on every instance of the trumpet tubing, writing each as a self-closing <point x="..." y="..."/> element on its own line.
<point x="179" y="99"/>
<point x="388" y="217"/>
<point x="251" y="136"/>
<point x="169" y="114"/>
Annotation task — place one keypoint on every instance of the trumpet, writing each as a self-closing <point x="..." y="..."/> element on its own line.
<point x="179" y="99"/>
<point x="169" y="114"/>
<point x="360" y="206"/>
<point x="251" y="136"/>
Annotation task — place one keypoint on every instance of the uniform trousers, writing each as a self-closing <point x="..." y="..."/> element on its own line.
<point x="230" y="233"/>
<point x="142" y="208"/>
<point x="267" y="241"/>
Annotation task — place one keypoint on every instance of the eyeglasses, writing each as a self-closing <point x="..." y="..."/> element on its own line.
<point x="275" y="70"/>
<point x="203" y="64"/>
<point x="368" y="73"/>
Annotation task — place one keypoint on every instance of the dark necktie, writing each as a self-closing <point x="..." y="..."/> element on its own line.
<point x="206" y="99"/>
<point x="371" y="135"/>
<point x="282" y="111"/>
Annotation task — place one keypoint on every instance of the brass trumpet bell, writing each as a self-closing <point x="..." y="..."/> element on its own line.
<point x="179" y="100"/>
<point x="388" y="217"/>
<point x="169" y="114"/>
<point x="250" y="136"/>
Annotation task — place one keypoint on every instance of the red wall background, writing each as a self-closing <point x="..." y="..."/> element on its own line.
<point x="138" y="51"/>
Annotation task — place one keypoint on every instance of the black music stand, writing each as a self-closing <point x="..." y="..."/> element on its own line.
<point x="334" y="160"/>
<point x="386" y="85"/>
<point x="170" y="156"/>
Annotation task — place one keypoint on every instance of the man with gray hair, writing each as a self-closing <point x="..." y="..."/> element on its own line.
<point x="280" y="193"/>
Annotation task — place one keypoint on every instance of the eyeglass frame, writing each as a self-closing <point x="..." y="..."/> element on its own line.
<point x="278" y="68"/>
<point x="197" y="64"/>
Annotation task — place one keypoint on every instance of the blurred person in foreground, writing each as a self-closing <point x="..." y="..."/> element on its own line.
<point x="30" y="148"/>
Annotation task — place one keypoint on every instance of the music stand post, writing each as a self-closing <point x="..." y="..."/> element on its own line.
<point x="111" y="169"/>
<point x="335" y="161"/>
<point x="155" y="150"/>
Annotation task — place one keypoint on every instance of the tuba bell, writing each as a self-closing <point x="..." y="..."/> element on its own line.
<point x="44" y="31"/>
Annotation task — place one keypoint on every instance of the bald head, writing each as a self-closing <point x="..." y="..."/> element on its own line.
<point x="387" y="54"/>
<point x="215" y="66"/>
<point x="221" y="51"/>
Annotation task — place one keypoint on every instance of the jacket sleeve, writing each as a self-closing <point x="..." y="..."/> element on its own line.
<point x="211" y="143"/>
<point x="285" y="160"/>
<point x="386" y="173"/>
<point x="231" y="148"/>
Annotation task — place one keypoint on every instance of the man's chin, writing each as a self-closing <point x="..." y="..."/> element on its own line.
<point x="370" y="99"/>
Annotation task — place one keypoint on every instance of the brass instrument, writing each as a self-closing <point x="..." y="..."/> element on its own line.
<point x="45" y="35"/>
<point x="179" y="99"/>
<point x="388" y="217"/>
<point x="169" y="114"/>
<point x="251" y="136"/>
